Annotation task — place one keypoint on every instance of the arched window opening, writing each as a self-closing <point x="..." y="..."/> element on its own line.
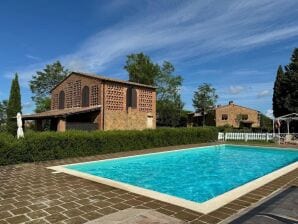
<point x="131" y="95"/>
<point x="85" y="96"/>
<point x="128" y="97"/>
<point x="134" y="100"/>
<point x="61" y="100"/>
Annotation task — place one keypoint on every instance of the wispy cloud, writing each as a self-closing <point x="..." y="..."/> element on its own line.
<point x="32" y="57"/>
<point x="269" y="113"/>
<point x="188" y="33"/>
<point x="28" y="104"/>
<point x="264" y="93"/>
<point x="187" y="30"/>
<point x="235" y="90"/>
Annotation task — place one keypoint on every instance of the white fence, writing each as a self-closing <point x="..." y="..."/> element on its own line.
<point x="254" y="136"/>
<point x="245" y="136"/>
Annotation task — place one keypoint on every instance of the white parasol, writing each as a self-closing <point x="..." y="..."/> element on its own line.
<point x="20" y="132"/>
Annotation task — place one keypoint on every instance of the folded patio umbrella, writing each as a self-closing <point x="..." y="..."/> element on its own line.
<point x="20" y="132"/>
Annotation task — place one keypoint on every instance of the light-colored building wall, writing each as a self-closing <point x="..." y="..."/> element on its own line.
<point x="233" y="111"/>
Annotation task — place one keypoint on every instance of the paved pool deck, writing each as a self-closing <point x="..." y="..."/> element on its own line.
<point x="31" y="193"/>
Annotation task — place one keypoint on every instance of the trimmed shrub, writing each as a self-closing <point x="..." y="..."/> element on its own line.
<point x="40" y="146"/>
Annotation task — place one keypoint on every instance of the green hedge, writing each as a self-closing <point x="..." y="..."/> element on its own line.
<point x="39" y="146"/>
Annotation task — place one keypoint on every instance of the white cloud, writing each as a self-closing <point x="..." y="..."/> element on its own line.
<point x="193" y="30"/>
<point x="32" y="57"/>
<point x="264" y="93"/>
<point x="269" y="113"/>
<point x="235" y="90"/>
<point x="28" y="104"/>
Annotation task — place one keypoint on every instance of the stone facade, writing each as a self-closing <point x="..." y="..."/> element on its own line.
<point x="124" y="105"/>
<point x="236" y="116"/>
<point x="118" y="115"/>
<point x="231" y="114"/>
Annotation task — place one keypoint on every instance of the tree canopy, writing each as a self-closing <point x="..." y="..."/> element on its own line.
<point x="141" y="69"/>
<point x="278" y="91"/>
<point x="168" y="84"/>
<point x="169" y="103"/>
<point x="43" y="82"/>
<point x="265" y="123"/>
<point x="285" y="91"/>
<point x="291" y="72"/>
<point x="3" y="113"/>
<point x="14" y="105"/>
<point x="204" y="99"/>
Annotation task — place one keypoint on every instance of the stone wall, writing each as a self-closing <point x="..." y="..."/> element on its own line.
<point x="232" y="111"/>
<point x="117" y="116"/>
<point x="130" y="120"/>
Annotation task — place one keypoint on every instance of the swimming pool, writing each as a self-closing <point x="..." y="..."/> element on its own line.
<point x="193" y="176"/>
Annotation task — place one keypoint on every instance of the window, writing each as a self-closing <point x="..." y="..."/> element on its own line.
<point x="61" y="100"/>
<point x="134" y="99"/>
<point x="131" y="97"/>
<point x="85" y="96"/>
<point x="224" y="117"/>
<point x="244" y="117"/>
<point x="128" y="96"/>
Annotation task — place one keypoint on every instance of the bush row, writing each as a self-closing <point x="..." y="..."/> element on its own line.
<point x="39" y="146"/>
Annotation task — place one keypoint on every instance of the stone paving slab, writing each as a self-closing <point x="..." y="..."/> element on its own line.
<point x="31" y="193"/>
<point x="136" y="216"/>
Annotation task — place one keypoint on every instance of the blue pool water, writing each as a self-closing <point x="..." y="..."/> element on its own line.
<point x="195" y="174"/>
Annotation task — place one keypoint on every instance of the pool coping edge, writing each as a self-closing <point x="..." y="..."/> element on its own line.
<point x="205" y="207"/>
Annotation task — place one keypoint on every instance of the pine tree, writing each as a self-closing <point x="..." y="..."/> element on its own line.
<point x="279" y="93"/>
<point x="14" y="105"/>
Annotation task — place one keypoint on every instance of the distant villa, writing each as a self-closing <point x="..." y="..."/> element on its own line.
<point x="233" y="115"/>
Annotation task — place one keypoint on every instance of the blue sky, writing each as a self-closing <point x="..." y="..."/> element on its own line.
<point x="234" y="45"/>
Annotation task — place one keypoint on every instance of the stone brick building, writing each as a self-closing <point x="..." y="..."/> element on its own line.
<point x="231" y="114"/>
<point x="90" y="102"/>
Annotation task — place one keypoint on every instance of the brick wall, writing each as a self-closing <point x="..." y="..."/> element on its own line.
<point x="117" y="116"/>
<point x="232" y="111"/>
<point x="112" y="96"/>
<point x="72" y="88"/>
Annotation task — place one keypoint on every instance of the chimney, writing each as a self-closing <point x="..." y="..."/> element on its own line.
<point x="231" y="102"/>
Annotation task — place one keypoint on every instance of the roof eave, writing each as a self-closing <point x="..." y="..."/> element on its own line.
<point x="104" y="79"/>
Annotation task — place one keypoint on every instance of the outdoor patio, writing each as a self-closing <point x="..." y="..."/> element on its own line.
<point x="31" y="193"/>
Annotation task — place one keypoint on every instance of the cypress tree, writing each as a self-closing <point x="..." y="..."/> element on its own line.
<point x="291" y="78"/>
<point x="278" y="91"/>
<point x="14" y="105"/>
<point x="285" y="91"/>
